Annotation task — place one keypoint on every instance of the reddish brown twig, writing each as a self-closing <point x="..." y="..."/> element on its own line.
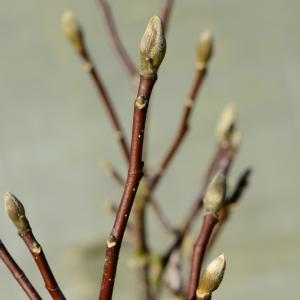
<point x="152" y="51"/>
<point x="222" y="161"/>
<point x="16" y="212"/>
<point x="210" y="220"/>
<point x="204" y="52"/>
<point x="116" y="41"/>
<point x="183" y="129"/>
<point x="166" y="12"/>
<point x="18" y="274"/>
<point x="74" y="33"/>
<point x="113" y="208"/>
<point x="135" y="174"/>
<point x="230" y="200"/>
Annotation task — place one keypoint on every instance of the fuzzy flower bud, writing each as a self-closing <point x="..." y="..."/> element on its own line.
<point x="215" y="193"/>
<point x="212" y="278"/>
<point x="72" y="30"/>
<point x="16" y="212"/>
<point x="152" y="48"/>
<point x="204" y="49"/>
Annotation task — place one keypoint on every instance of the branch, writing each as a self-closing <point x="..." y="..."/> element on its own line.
<point x="152" y="51"/>
<point x="116" y="41"/>
<point x="230" y="200"/>
<point x="166" y="11"/>
<point x="205" y="49"/>
<point x="213" y="202"/>
<point x="74" y="33"/>
<point x="16" y="213"/>
<point x="18" y="274"/>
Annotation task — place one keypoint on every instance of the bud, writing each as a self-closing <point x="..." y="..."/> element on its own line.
<point x="204" y="49"/>
<point x="215" y="193"/>
<point x="212" y="278"/>
<point x="226" y="124"/>
<point x="16" y="212"/>
<point x="152" y="48"/>
<point x="72" y="30"/>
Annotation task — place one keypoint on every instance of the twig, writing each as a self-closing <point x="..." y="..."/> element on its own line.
<point x="74" y="33"/>
<point x="113" y="208"/>
<point x="18" y="274"/>
<point x="16" y="213"/>
<point x="205" y="49"/>
<point x="166" y="11"/>
<point x="228" y="145"/>
<point x="152" y="51"/>
<point x="209" y="222"/>
<point x="116" y="41"/>
<point x="213" y="202"/>
<point x="229" y="201"/>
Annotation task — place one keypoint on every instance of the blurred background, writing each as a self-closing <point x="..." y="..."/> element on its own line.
<point x="54" y="133"/>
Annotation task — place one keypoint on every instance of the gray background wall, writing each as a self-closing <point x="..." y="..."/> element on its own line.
<point x="54" y="133"/>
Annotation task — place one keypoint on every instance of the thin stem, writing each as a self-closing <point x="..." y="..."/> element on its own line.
<point x="183" y="129"/>
<point x="42" y="263"/>
<point x="135" y="174"/>
<point x="94" y="74"/>
<point x="166" y="12"/>
<point x="18" y="274"/>
<point x="210" y="220"/>
<point x="116" y="41"/>
<point x="222" y="160"/>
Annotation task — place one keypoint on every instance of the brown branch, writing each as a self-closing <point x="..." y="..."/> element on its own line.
<point x="183" y="129"/>
<point x="166" y="12"/>
<point x="113" y="208"/>
<point x="210" y="220"/>
<point x="116" y="41"/>
<point x="74" y="33"/>
<point x="204" y="53"/>
<point x="18" y="274"/>
<point x="135" y="174"/>
<point x="16" y="212"/>
<point x="152" y="51"/>
<point x="230" y="200"/>
<point x="222" y="161"/>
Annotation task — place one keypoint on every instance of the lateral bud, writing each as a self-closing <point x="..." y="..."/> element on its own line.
<point x="204" y="49"/>
<point x="212" y="278"/>
<point x="152" y="48"/>
<point x="215" y="193"/>
<point x="226" y="125"/>
<point x="73" y="31"/>
<point x="16" y="212"/>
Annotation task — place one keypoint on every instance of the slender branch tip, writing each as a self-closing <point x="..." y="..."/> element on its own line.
<point x="152" y="48"/>
<point x="215" y="194"/>
<point x="16" y="212"/>
<point x="226" y="125"/>
<point x="204" y="49"/>
<point x="72" y="30"/>
<point x="212" y="278"/>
